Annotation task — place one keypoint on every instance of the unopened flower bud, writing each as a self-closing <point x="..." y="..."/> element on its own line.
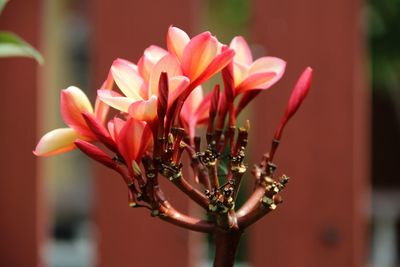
<point x="95" y="153"/>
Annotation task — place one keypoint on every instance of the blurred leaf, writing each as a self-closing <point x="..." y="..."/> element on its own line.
<point x="2" y="4"/>
<point x="13" y="46"/>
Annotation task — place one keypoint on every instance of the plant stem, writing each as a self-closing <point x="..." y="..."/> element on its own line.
<point x="226" y="244"/>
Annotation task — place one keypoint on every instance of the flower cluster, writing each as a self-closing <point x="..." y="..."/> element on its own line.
<point x="160" y="105"/>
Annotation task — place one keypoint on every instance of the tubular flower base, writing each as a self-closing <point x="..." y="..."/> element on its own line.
<point x="160" y="106"/>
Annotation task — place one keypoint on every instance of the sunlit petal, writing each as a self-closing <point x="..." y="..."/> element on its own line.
<point x="145" y="110"/>
<point x="191" y="104"/>
<point x="242" y="50"/>
<point x="262" y="80"/>
<point x="150" y="57"/>
<point x="128" y="79"/>
<point x="115" y="100"/>
<point x="268" y="64"/>
<point x="198" y="54"/>
<point x="217" y="64"/>
<point x="240" y="72"/>
<point x="169" y="64"/>
<point x="177" y="40"/>
<point x="73" y="103"/>
<point x="177" y="85"/>
<point x="100" y="108"/>
<point x="57" y="141"/>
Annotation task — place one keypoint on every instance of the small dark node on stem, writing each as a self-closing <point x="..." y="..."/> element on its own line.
<point x="171" y="171"/>
<point x="270" y="169"/>
<point x="119" y="160"/>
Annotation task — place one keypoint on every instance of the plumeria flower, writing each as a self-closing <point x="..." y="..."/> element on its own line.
<point x="74" y="102"/>
<point x="248" y="74"/>
<point x="200" y="57"/>
<point x="140" y="91"/>
<point x="188" y="63"/>
<point x="247" y="78"/>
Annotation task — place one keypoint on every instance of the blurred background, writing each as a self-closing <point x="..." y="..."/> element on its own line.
<point x="342" y="149"/>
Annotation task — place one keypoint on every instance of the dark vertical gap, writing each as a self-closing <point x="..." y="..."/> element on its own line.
<point x="384" y="42"/>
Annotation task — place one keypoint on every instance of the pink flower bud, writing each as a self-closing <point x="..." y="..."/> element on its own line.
<point x="100" y="131"/>
<point x="162" y="98"/>
<point x="299" y="92"/>
<point x="95" y="153"/>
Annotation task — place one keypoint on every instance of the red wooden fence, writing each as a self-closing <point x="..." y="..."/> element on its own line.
<point x="325" y="148"/>
<point x="21" y="220"/>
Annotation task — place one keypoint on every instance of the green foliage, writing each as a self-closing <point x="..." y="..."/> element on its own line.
<point x="13" y="46"/>
<point x="384" y="41"/>
<point x="227" y="18"/>
<point x="2" y="4"/>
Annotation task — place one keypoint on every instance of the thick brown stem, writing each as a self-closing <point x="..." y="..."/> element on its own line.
<point x="173" y="216"/>
<point x="226" y="244"/>
<point x="192" y="192"/>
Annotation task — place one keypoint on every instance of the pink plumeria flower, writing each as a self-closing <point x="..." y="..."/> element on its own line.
<point x="248" y="74"/>
<point x="200" y="57"/>
<point x="140" y="92"/>
<point x="74" y="102"/>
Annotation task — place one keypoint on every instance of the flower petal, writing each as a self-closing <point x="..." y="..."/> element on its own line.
<point x="177" y="85"/>
<point x="177" y="40"/>
<point x="114" y="127"/>
<point x="198" y="54"/>
<point x="145" y="110"/>
<point x="192" y="102"/>
<point x="262" y="80"/>
<point x="150" y="57"/>
<point x="196" y="108"/>
<point x="115" y="100"/>
<point x="56" y="141"/>
<point x="169" y="64"/>
<point x="100" y="108"/>
<point x="128" y="79"/>
<point x="242" y="50"/>
<point x="73" y="103"/>
<point x="217" y="64"/>
<point x="268" y="64"/>
<point x="240" y="72"/>
<point x="130" y="140"/>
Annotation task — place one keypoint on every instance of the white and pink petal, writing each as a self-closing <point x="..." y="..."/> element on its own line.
<point x="144" y="110"/>
<point x="177" y="40"/>
<point x="127" y="78"/>
<point x="242" y="50"/>
<point x="56" y="142"/>
<point x="73" y="103"/>
<point x="115" y="100"/>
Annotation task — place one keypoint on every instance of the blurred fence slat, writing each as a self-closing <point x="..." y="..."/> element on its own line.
<point x="325" y="148"/>
<point x="21" y="219"/>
